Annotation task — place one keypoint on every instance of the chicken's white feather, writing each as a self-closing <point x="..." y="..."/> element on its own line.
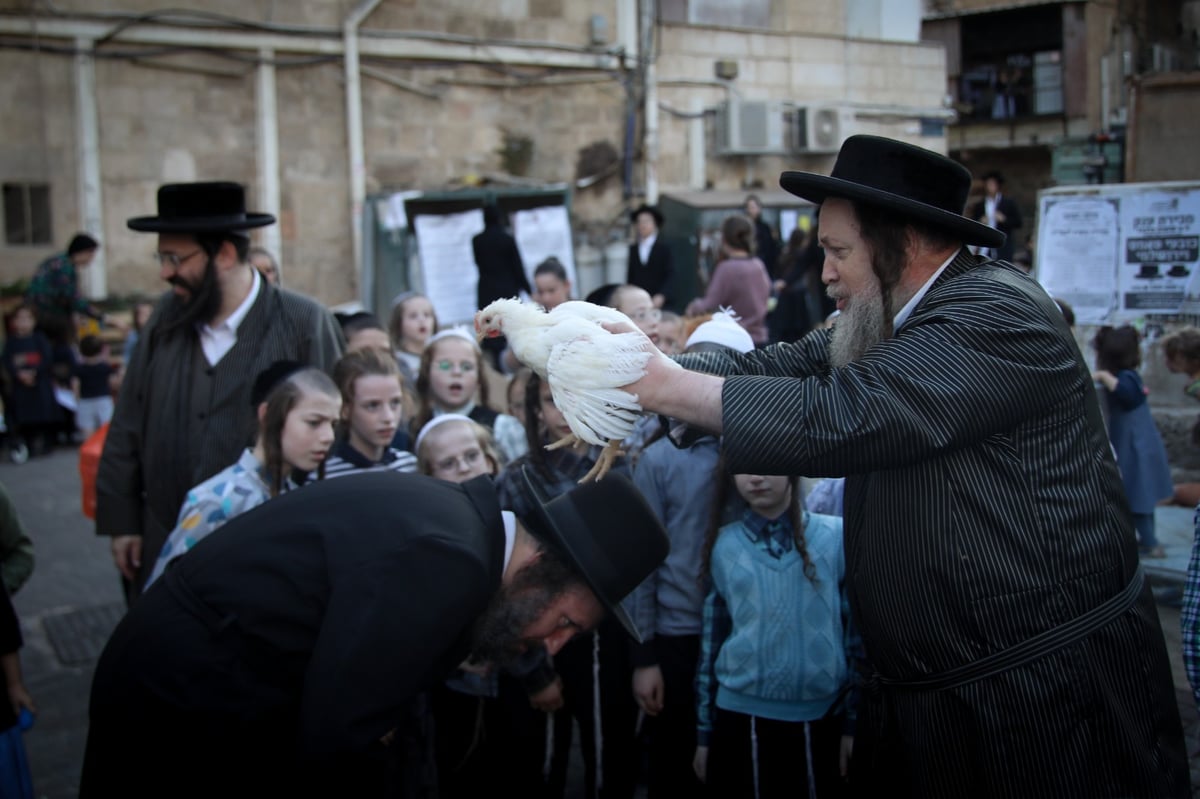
<point x="585" y="365"/>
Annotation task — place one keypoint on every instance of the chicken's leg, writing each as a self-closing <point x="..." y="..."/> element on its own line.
<point x="612" y="450"/>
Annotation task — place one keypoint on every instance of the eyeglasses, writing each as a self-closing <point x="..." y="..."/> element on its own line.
<point x="463" y="366"/>
<point x="647" y="315"/>
<point x="175" y="260"/>
<point x="467" y="459"/>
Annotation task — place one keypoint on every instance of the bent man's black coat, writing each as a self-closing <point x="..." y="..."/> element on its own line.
<point x="287" y="643"/>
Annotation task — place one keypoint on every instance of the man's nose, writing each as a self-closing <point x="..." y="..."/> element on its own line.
<point x="558" y="639"/>
<point x="828" y="273"/>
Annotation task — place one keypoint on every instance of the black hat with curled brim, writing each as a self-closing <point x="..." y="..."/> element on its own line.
<point x="647" y="209"/>
<point x="213" y="207"/>
<point x="606" y="532"/>
<point x="913" y="182"/>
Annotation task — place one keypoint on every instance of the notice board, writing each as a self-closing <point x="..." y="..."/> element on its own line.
<point x="448" y="275"/>
<point x="1122" y="251"/>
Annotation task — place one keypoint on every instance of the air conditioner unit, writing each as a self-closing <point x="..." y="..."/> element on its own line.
<point x="821" y="128"/>
<point x="746" y="127"/>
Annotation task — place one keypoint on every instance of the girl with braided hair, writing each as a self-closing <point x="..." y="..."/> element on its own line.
<point x="772" y="684"/>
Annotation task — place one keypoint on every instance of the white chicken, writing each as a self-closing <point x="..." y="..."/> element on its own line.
<point x="584" y="364"/>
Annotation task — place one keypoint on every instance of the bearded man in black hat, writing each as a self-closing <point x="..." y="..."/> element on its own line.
<point x="274" y="658"/>
<point x="184" y="410"/>
<point x="990" y="555"/>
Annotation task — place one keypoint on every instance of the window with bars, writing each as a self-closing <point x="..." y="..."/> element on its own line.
<point x="27" y="213"/>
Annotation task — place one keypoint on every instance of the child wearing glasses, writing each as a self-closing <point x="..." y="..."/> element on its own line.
<point x="450" y="381"/>
<point x="485" y="722"/>
<point x="456" y="448"/>
<point x="372" y="410"/>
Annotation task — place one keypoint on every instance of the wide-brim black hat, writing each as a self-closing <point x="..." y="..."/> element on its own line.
<point x="606" y="531"/>
<point x="200" y="208"/>
<point x="647" y="209"/>
<point x="914" y="182"/>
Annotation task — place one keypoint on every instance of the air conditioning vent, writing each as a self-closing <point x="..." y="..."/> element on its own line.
<point x="749" y="127"/>
<point x="821" y="129"/>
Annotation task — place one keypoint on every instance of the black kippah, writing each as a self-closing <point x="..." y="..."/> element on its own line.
<point x="270" y="377"/>
<point x="602" y="295"/>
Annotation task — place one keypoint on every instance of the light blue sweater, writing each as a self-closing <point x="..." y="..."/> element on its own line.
<point x="784" y="657"/>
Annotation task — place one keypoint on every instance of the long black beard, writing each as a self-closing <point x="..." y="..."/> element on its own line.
<point x="497" y="637"/>
<point x="199" y="308"/>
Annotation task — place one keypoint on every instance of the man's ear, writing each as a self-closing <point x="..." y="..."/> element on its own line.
<point x="227" y="257"/>
<point x="262" y="412"/>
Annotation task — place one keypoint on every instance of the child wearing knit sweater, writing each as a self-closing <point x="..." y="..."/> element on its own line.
<point x="774" y="709"/>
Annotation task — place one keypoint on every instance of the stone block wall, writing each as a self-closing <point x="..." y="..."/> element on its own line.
<point x="192" y="116"/>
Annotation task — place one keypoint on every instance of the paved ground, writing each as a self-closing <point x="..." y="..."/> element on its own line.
<point x="73" y="598"/>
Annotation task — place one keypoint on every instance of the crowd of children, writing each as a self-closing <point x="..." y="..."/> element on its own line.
<point x="744" y="684"/>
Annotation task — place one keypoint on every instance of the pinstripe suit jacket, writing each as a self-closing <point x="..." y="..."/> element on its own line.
<point x="179" y="421"/>
<point x="983" y="506"/>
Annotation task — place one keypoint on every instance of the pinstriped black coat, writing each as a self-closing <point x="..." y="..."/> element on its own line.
<point x="179" y="421"/>
<point x="982" y="507"/>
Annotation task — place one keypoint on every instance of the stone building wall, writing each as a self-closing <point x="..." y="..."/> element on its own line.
<point x="428" y="123"/>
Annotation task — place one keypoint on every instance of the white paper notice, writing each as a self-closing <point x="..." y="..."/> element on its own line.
<point x="1160" y="233"/>
<point x="1078" y="247"/>
<point x="448" y="264"/>
<point x="544" y="232"/>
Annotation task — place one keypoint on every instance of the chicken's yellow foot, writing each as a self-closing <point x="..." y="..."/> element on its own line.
<point x="608" y="456"/>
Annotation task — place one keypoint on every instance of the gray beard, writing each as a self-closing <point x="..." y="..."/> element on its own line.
<point x="857" y="329"/>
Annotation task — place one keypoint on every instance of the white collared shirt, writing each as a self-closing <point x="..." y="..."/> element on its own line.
<point x="644" y="247"/>
<point x="510" y="536"/>
<point x="989" y="206"/>
<point x="904" y="313"/>
<point x="216" y="341"/>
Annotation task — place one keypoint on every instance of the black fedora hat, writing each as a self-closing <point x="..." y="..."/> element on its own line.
<point x="647" y="209"/>
<point x="606" y="531"/>
<point x="914" y="182"/>
<point x="200" y="208"/>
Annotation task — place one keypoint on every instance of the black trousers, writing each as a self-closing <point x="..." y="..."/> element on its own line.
<point x="671" y="735"/>
<point x="478" y="739"/>
<point x="618" y="714"/>
<point x="777" y="757"/>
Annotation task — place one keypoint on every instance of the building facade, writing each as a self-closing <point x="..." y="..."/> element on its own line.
<point x="1045" y="91"/>
<point x="317" y="105"/>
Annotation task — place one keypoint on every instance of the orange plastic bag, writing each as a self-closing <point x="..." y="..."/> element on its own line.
<point x="89" y="464"/>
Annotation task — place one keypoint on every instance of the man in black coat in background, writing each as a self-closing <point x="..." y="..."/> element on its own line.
<point x="501" y="271"/>
<point x="650" y="265"/>
<point x="1000" y="212"/>
<point x="277" y="655"/>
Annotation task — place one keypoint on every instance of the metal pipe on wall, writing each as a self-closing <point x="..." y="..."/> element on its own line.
<point x="91" y="204"/>
<point x="268" y="154"/>
<point x="354" y="141"/>
<point x="650" y="99"/>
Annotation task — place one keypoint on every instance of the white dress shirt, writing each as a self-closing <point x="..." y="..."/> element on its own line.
<point x="216" y="341"/>
<point x="644" y="247"/>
